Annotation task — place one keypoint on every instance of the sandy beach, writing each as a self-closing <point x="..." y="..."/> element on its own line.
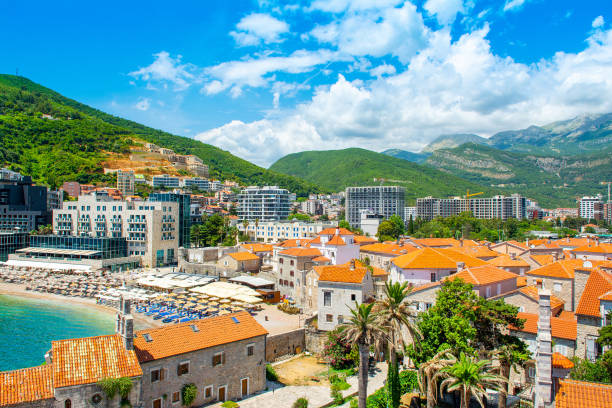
<point x="140" y="321"/>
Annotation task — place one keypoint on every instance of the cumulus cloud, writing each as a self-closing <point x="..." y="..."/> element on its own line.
<point x="367" y="31"/>
<point x="257" y="28"/>
<point x="598" y="22"/>
<point x="445" y="11"/>
<point x="168" y="70"/>
<point x="256" y="72"/>
<point x="514" y="5"/>
<point x="144" y="104"/>
<point x="449" y="87"/>
<point x="384" y="69"/>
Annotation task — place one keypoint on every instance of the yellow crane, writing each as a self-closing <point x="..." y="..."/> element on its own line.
<point x="608" y="183"/>
<point x="468" y="195"/>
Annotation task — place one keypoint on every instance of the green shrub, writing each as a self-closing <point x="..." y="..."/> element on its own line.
<point x="271" y="373"/>
<point x="230" y="404"/>
<point x="189" y="394"/>
<point x="287" y="308"/>
<point x="338" y="352"/>
<point x="354" y="403"/>
<point x="409" y="381"/>
<point x="336" y="395"/>
<point x="300" y="403"/>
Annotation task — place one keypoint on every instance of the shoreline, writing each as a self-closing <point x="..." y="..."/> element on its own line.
<point x="11" y="289"/>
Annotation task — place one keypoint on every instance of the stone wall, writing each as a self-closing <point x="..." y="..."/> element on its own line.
<point x="293" y="342"/>
<point x="315" y="340"/>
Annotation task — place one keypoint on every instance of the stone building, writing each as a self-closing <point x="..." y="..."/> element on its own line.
<point x="235" y="263"/>
<point x="223" y="356"/>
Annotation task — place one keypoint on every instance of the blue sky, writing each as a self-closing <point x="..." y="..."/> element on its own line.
<point x="266" y="78"/>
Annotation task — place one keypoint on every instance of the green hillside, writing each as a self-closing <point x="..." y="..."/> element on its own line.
<point x="555" y="181"/>
<point x="78" y="138"/>
<point x="338" y="169"/>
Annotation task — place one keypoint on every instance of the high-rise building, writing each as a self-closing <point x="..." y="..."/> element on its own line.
<point x="184" y="214"/>
<point x="125" y="182"/>
<point x="500" y="207"/>
<point x="381" y="200"/>
<point x="165" y="181"/>
<point x="23" y="206"/>
<point x="150" y="228"/>
<point x="591" y="208"/>
<point x="268" y="203"/>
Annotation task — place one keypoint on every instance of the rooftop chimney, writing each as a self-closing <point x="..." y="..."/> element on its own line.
<point x="543" y="392"/>
<point x="337" y="231"/>
<point x="461" y="242"/>
<point x="513" y="256"/>
<point x="125" y="323"/>
<point x="460" y="266"/>
<point x="352" y="265"/>
<point x="555" y="256"/>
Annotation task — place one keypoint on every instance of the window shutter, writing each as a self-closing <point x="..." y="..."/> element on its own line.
<point x="223" y="358"/>
<point x="162" y="374"/>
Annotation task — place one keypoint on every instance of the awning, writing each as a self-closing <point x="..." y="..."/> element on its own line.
<point x="58" y="251"/>
<point x="47" y="265"/>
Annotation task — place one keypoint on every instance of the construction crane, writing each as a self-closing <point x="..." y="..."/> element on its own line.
<point x="468" y="195"/>
<point x="608" y="183"/>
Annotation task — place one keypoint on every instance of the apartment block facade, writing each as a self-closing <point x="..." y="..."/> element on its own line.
<point x="268" y="203"/>
<point x="23" y="205"/>
<point x="591" y="208"/>
<point x="274" y="231"/>
<point x="382" y="200"/>
<point x="150" y="228"/>
<point x="497" y="207"/>
<point x="125" y="182"/>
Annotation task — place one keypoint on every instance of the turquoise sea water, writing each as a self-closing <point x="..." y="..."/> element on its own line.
<point x="27" y="327"/>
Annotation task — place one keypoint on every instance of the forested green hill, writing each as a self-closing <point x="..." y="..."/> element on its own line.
<point x="72" y="145"/>
<point x="338" y="169"/>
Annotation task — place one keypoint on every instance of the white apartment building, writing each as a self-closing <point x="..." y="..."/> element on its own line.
<point x="201" y="184"/>
<point x="591" y="208"/>
<point x="165" y="181"/>
<point x="382" y="200"/>
<point x="150" y="228"/>
<point x="268" y="203"/>
<point x="274" y="231"/>
<point x="499" y="206"/>
<point x="125" y="182"/>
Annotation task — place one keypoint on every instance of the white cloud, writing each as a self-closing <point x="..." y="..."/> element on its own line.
<point x="254" y="72"/>
<point x="257" y="28"/>
<point x="514" y="5"/>
<point x="384" y="69"/>
<point x="449" y="87"/>
<point x="598" y="22"/>
<point x="445" y="10"/>
<point x="167" y="69"/>
<point x="338" y="6"/>
<point x="367" y="31"/>
<point x="143" y="104"/>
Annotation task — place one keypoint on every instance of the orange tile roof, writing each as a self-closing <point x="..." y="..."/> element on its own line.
<point x="435" y="258"/>
<point x="561" y="269"/>
<point x="26" y="385"/>
<point x="573" y="242"/>
<point x="567" y="315"/>
<point x="244" y="256"/>
<point x="606" y="296"/>
<point x="258" y="247"/>
<point x="388" y="249"/>
<point x="521" y="281"/>
<point x="292" y="243"/>
<point x="321" y="259"/>
<point x="341" y="273"/>
<point x="561" y="328"/>
<point x="309" y="252"/>
<point x="360" y="239"/>
<point x="596" y="249"/>
<point x="336" y="240"/>
<point x="436" y="242"/>
<point x="181" y="338"/>
<point x="543" y="259"/>
<point x="375" y="270"/>
<point x="332" y="231"/>
<point x="507" y="261"/>
<point x="88" y="360"/>
<point x="478" y="251"/>
<point x="532" y="293"/>
<point x="521" y="245"/>
<point x="599" y="283"/>
<point x="560" y="361"/>
<point x="484" y="275"/>
<point x="581" y="394"/>
<point x="425" y="286"/>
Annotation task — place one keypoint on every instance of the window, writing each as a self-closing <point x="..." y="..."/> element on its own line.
<point x="327" y="298"/>
<point x="157" y="375"/>
<point x="557" y="287"/>
<point x="353" y="297"/>
<point x="183" y="368"/>
<point x="329" y="318"/>
<point x="218" y="359"/>
<point x="291" y="262"/>
<point x="532" y="372"/>
<point x="67" y="404"/>
<point x="176" y="396"/>
<point x="499" y="288"/>
<point x="208" y="391"/>
<point x="281" y="260"/>
<point x="488" y="294"/>
<point x="433" y="276"/>
<point x="250" y="349"/>
<point x="340" y="319"/>
<point x="290" y="273"/>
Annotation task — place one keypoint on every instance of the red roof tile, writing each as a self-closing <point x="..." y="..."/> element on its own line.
<point x="332" y="231"/>
<point x="297" y="252"/>
<point x="561" y="328"/>
<point x="26" y="385"/>
<point x="507" y="261"/>
<point x="599" y="283"/>
<point x="560" y="361"/>
<point x="484" y="275"/>
<point x="581" y="394"/>
<point x="341" y="273"/>
<point x="435" y="258"/>
<point x="244" y="256"/>
<point x="532" y="293"/>
<point x="181" y="338"/>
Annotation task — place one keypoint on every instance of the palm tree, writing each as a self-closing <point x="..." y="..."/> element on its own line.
<point x="512" y="354"/>
<point x="430" y="373"/>
<point x="245" y="225"/>
<point x="364" y="330"/>
<point x="471" y="378"/>
<point x="393" y="314"/>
